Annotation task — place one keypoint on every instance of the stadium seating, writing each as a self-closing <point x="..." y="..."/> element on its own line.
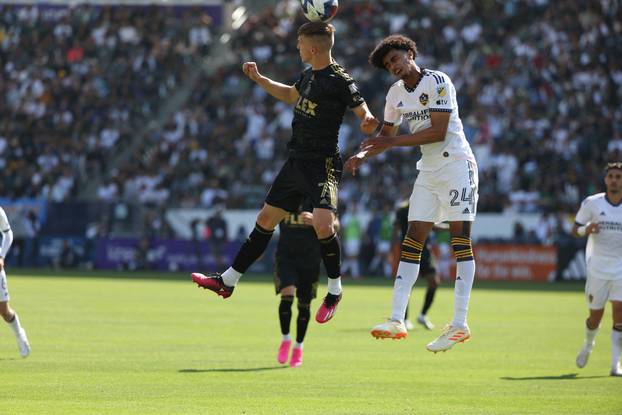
<point x="539" y="94"/>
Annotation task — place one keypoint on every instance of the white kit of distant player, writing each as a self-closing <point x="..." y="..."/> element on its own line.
<point x="9" y="315"/>
<point x="436" y="92"/>
<point x="600" y="218"/>
<point x="603" y="253"/>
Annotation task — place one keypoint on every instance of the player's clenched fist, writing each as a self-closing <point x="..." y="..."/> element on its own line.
<point x="250" y="70"/>
<point x="369" y="125"/>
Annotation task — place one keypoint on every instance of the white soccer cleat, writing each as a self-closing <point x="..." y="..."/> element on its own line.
<point x="425" y="322"/>
<point x="584" y="355"/>
<point x="450" y="337"/>
<point x="409" y="325"/>
<point x="616" y="371"/>
<point x="22" y="343"/>
<point x="390" y="329"/>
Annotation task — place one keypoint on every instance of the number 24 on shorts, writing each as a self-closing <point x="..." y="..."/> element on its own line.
<point x="455" y="194"/>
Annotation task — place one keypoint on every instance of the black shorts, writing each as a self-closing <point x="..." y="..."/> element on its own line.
<point x="317" y="179"/>
<point x="428" y="265"/>
<point x="301" y="272"/>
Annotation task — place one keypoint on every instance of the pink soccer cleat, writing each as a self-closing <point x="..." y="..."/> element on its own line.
<point x="283" y="351"/>
<point x="296" y="360"/>
<point x="212" y="282"/>
<point x="328" y="308"/>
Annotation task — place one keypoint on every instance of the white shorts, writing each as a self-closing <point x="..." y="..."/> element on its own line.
<point x="447" y="194"/>
<point x="4" y="288"/>
<point x="599" y="291"/>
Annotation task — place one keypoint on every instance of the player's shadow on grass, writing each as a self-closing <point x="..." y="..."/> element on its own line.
<point x="245" y="369"/>
<point x="568" y="376"/>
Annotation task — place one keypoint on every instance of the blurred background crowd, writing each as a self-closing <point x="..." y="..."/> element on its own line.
<point x="115" y="104"/>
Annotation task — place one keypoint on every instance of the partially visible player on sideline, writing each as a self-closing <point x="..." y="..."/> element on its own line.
<point x="320" y="97"/>
<point x="8" y="314"/>
<point x="427" y="270"/>
<point x="600" y="219"/>
<point x="297" y="272"/>
<point x="446" y="187"/>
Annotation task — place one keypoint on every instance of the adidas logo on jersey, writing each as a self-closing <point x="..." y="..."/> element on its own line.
<point x="401" y="104"/>
<point x="399" y="277"/>
<point x="466" y="211"/>
<point x="602" y="213"/>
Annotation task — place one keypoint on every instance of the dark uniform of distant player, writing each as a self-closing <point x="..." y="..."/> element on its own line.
<point x="427" y="270"/>
<point x="320" y="97"/>
<point x="297" y="271"/>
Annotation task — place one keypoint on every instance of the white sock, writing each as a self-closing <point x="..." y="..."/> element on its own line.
<point x="616" y="348"/>
<point x="231" y="277"/>
<point x="334" y="286"/>
<point x="297" y="345"/>
<point x="465" y="274"/>
<point x="15" y="325"/>
<point x="406" y="277"/>
<point x="590" y="335"/>
<point x="287" y="337"/>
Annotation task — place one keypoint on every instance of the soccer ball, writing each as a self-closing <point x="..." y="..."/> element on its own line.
<point x="319" y="10"/>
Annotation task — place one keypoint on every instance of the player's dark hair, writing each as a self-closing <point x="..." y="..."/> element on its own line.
<point x="398" y="42"/>
<point x="613" y="165"/>
<point x="316" y="29"/>
<point x="322" y="31"/>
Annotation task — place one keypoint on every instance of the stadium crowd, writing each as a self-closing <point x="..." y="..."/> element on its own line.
<point x="539" y="93"/>
<point x="77" y="82"/>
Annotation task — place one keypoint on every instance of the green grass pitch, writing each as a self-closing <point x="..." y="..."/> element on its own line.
<point x="133" y="345"/>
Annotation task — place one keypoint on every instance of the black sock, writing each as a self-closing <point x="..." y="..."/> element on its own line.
<point x="429" y="298"/>
<point x="303" y="321"/>
<point x="331" y="255"/>
<point x="252" y="248"/>
<point x="285" y="313"/>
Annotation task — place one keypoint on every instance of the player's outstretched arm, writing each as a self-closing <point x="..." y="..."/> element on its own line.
<point x="433" y="134"/>
<point x="369" y="123"/>
<point x="285" y="93"/>
<point x="354" y="162"/>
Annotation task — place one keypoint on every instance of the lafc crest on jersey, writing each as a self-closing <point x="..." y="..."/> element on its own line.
<point x="306" y="107"/>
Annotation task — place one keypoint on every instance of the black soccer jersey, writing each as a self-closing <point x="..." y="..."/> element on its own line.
<point x="296" y="238"/>
<point x="324" y="97"/>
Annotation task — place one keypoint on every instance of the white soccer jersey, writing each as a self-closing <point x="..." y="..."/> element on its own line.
<point x="4" y="221"/>
<point x="434" y="92"/>
<point x="603" y="253"/>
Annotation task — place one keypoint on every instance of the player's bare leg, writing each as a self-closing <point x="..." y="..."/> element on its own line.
<point x="223" y="284"/>
<point x="10" y="316"/>
<point x="324" y="225"/>
<point x="616" y="339"/>
<point x="591" y="329"/>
